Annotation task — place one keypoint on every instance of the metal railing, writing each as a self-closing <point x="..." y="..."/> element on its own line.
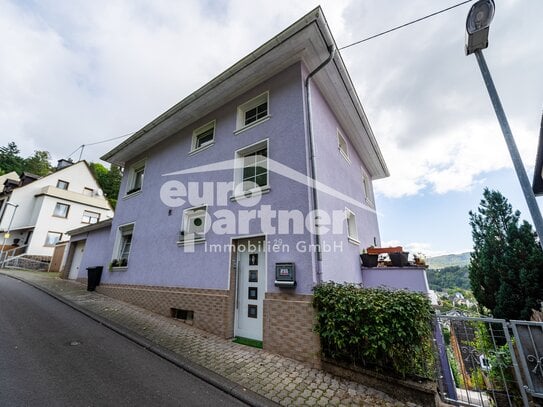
<point x="7" y="254"/>
<point x="478" y="362"/>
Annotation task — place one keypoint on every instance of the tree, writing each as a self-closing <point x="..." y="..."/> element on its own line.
<point x="506" y="265"/>
<point x="39" y="163"/>
<point x="10" y="159"/>
<point x="109" y="181"/>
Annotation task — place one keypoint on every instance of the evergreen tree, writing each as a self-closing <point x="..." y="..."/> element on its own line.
<point x="10" y="159"/>
<point x="506" y="267"/>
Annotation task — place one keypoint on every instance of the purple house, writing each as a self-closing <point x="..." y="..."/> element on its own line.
<point x="241" y="198"/>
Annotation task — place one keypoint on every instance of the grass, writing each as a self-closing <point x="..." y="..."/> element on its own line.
<point x="249" y="342"/>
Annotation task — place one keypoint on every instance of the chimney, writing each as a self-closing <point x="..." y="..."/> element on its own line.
<point x="63" y="163"/>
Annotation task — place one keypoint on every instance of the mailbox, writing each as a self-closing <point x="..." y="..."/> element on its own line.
<point x="285" y="275"/>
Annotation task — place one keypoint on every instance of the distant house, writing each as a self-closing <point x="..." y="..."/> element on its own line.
<point x="241" y="198"/>
<point x="7" y="181"/>
<point x="537" y="184"/>
<point x="38" y="211"/>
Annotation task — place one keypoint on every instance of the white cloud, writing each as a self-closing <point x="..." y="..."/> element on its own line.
<point x="77" y="72"/>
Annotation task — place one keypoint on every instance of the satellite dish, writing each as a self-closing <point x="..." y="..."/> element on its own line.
<point x="99" y="192"/>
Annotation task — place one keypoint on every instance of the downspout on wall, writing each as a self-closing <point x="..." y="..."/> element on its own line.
<point x="314" y="199"/>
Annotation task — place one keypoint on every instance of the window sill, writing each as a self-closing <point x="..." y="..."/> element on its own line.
<point x="353" y="241"/>
<point x="251" y="194"/>
<point x="132" y="194"/>
<point x="251" y="125"/>
<point x="124" y="268"/>
<point x="197" y="150"/>
<point x="60" y="217"/>
<point x="190" y="241"/>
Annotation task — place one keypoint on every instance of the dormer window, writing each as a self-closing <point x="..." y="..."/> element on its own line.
<point x="253" y="112"/>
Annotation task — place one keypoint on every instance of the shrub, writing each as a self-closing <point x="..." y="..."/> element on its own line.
<point x="377" y="328"/>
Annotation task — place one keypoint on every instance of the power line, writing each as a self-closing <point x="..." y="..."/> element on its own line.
<point x="82" y="146"/>
<point x="74" y="151"/>
<point x="406" y="24"/>
<point x="109" y="139"/>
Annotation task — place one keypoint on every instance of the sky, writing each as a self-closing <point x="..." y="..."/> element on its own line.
<point x="77" y="72"/>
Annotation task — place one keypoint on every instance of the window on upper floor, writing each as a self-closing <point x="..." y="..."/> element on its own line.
<point x="251" y="168"/>
<point x="88" y="191"/>
<point x="90" y="217"/>
<point x="123" y="245"/>
<point x="135" y="178"/>
<point x="62" y="184"/>
<point x="203" y="137"/>
<point x="194" y="225"/>
<point x="61" y="210"/>
<point x="352" y="231"/>
<point x="342" y="146"/>
<point x="366" y="184"/>
<point x="254" y="111"/>
<point x="52" y="238"/>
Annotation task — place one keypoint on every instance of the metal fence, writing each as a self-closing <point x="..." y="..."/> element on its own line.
<point x="478" y="361"/>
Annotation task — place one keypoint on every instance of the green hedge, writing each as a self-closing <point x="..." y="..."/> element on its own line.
<point x="376" y="328"/>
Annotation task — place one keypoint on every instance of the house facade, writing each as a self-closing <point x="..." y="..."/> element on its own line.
<point x="237" y="201"/>
<point x="39" y="211"/>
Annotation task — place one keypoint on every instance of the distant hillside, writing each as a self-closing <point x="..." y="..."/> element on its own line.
<point x="448" y="260"/>
<point x="448" y="278"/>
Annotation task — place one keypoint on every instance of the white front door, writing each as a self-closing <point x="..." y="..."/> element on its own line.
<point x="251" y="284"/>
<point x="76" y="260"/>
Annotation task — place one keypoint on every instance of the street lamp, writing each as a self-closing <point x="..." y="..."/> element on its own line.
<point x="477" y="27"/>
<point x="7" y="231"/>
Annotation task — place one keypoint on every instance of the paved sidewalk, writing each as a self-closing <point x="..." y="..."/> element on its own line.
<point x="282" y="380"/>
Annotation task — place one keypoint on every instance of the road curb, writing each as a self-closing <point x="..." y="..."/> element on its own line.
<point x="226" y="385"/>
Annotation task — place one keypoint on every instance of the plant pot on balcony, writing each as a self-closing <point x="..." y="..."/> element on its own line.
<point x="369" y="260"/>
<point x="399" y="259"/>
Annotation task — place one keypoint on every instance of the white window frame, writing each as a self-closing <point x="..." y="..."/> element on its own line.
<point x="366" y="186"/>
<point x="117" y="248"/>
<point x="85" y="212"/>
<point x="352" y="229"/>
<point x="131" y="184"/>
<point x="46" y="244"/>
<point x="185" y="237"/>
<point x="239" y="162"/>
<point x="342" y="146"/>
<point x="66" y="182"/>
<point x="199" y="132"/>
<point x="67" y="210"/>
<point x="251" y="104"/>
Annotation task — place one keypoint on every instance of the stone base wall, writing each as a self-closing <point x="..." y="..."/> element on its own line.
<point x="210" y="307"/>
<point x="288" y="327"/>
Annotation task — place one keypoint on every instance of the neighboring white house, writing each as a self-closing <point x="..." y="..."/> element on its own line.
<point x="42" y="211"/>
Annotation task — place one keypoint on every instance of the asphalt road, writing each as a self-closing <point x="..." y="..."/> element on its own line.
<point x="52" y="355"/>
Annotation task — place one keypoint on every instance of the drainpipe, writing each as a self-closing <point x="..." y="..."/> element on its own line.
<point x="316" y="237"/>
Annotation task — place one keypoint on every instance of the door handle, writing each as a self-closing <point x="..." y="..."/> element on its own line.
<point x="237" y="284"/>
